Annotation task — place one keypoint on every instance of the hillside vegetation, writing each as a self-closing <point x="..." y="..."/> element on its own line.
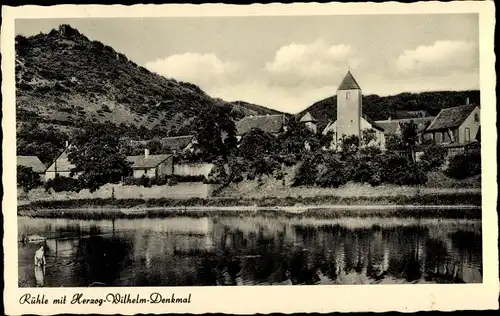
<point x="64" y="79"/>
<point x="381" y="108"/>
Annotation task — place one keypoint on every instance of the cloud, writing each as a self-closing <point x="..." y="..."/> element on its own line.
<point x="313" y="64"/>
<point x="442" y="57"/>
<point x="201" y="69"/>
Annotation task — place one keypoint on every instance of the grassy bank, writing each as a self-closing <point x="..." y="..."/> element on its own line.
<point x="422" y="205"/>
<point x="320" y="212"/>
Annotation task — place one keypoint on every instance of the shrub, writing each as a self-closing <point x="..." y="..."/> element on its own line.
<point x="27" y="178"/>
<point x="61" y="184"/>
<point x="464" y="165"/>
<point x="218" y="174"/>
<point x="332" y="174"/>
<point x="401" y="170"/>
<point x="433" y="157"/>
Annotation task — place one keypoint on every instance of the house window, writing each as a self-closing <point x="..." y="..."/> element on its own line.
<point x="476" y="117"/>
<point x="348" y="95"/>
<point x="467" y="134"/>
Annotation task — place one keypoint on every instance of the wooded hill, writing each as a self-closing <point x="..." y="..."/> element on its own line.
<point x="381" y="108"/>
<point x="65" y="79"/>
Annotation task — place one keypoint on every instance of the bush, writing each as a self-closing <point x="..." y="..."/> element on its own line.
<point x="332" y="174"/>
<point x="464" y="165"/>
<point x="163" y="180"/>
<point x="433" y="157"/>
<point x="27" y="178"/>
<point x="401" y="170"/>
<point x="63" y="184"/>
<point x="367" y="169"/>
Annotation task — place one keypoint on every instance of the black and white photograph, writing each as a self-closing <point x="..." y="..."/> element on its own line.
<point x="245" y="150"/>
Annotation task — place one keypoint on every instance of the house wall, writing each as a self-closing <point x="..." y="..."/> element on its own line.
<point x="184" y="190"/>
<point x="166" y="167"/>
<point x="150" y="173"/>
<point x="193" y="169"/>
<point x="470" y="124"/>
<point x="364" y="124"/>
<point x="348" y="112"/>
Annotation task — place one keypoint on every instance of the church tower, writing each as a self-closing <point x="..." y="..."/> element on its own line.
<point x="348" y="107"/>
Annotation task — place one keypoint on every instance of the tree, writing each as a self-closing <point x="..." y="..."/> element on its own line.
<point x="433" y="157"/>
<point x="98" y="156"/>
<point x="215" y="133"/>
<point x="367" y="136"/>
<point x="256" y="144"/>
<point x="349" y="145"/>
<point x="409" y="133"/>
<point x="27" y="178"/>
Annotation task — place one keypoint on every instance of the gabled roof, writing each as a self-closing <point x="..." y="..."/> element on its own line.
<point x="31" y="162"/>
<point x="373" y="123"/>
<point x="411" y="114"/>
<point x="308" y="118"/>
<point x="391" y="126"/>
<point x="174" y="143"/>
<point x="451" y="117"/>
<point x="349" y="83"/>
<point x="61" y="162"/>
<point x="266" y="123"/>
<point x="141" y="162"/>
<point x="177" y="142"/>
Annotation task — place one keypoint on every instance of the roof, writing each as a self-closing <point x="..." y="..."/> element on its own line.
<point x="266" y="123"/>
<point x="373" y="123"/>
<point x="31" y="162"/>
<point x="177" y="142"/>
<point x="173" y="143"/>
<point x="451" y="117"/>
<point x="308" y="118"/>
<point x="61" y="162"/>
<point x="349" y="83"/>
<point x="391" y="126"/>
<point x="369" y="120"/>
<point x="411" y="114"/>
<point x="141" y="162"/>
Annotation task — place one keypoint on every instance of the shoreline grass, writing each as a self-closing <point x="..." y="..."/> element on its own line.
<point x="440" y="205"/>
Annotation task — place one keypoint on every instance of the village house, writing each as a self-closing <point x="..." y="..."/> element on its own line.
<point x="310" y="122"/>
<point x="456" y="127"/>
<point x="34" y="163"/>
<point x="151" y="165"/>
<point x="273" y="124"/>
<point x="60" y="167"/>
<point x="173" y="145"/>
<point x="394" y="126"/>
<point x="350" y="119"/>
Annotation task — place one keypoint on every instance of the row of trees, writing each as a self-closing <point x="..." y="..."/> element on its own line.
<point x="99" y="155"/>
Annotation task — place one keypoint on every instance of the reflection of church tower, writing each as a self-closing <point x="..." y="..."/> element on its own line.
<point x="348" y="107"/>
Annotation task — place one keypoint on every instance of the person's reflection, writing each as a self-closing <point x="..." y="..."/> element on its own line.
<point x="39" y="266"/>
<point x="39" y="275"/>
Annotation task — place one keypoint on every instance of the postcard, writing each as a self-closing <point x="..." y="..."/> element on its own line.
<point x="249" y="159"/>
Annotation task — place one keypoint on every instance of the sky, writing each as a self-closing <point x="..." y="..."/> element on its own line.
<point x="289" y="62"/>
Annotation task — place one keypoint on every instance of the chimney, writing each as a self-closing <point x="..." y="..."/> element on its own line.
<point x="66" y="144"/>
<point x="467" y="101"/>
<point x="146" y="153"/>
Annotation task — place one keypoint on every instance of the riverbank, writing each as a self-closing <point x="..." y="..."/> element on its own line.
<point x="463" y="205"/>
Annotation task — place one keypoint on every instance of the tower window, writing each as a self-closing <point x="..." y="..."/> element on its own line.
<point x="348" y="95"/>
<point x="476" y="117"/>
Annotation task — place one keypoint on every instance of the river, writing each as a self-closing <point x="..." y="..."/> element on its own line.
<point x="250" y="250"/>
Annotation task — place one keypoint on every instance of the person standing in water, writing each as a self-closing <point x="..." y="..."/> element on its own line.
<point x="39" y="266"/>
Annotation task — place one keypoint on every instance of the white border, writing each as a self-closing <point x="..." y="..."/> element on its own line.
<point x="265" y="299"/>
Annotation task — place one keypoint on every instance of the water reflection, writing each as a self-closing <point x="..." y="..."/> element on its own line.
<point x="251" y="251"/>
